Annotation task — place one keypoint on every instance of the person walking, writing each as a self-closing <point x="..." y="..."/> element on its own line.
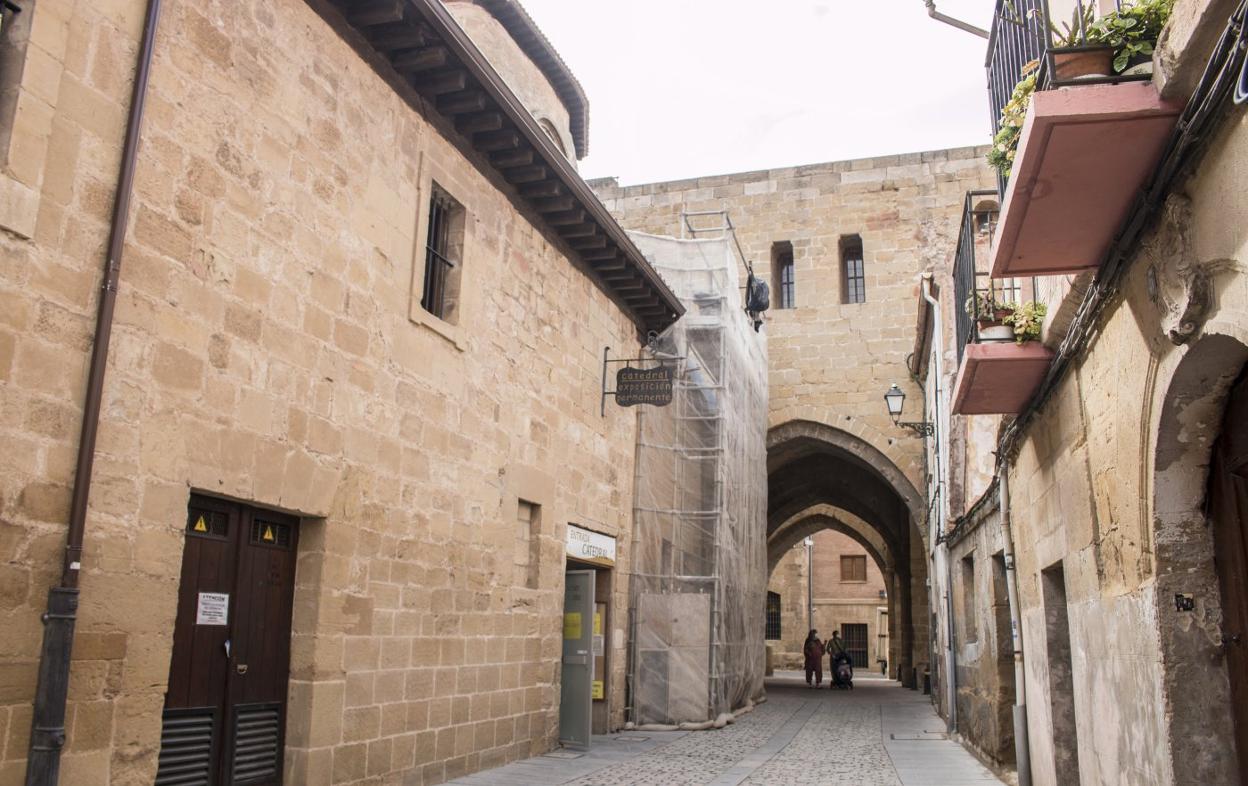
<point x="812" y="651"/>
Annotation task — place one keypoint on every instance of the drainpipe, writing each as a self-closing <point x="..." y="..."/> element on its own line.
<point x="940" y="555"/>
<point x="810" y="582"/>
<point x="949" y="20"/>
<point x="1022" y="746"/>
<point x="47" y="732"/>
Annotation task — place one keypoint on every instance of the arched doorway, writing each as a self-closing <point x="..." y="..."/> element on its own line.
<point x="813" y="469"/>
<point x="1200" y="509"/>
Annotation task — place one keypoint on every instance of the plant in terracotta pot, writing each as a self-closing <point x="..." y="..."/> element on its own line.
<point x="1026" y="321"/>
<point x="990" y="316"/>
<point x="1078" y="46"/>
<point x="1010" y="127"/>
<point x="1132" y="32"/>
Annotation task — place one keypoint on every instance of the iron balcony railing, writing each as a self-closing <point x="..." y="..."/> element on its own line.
<point x="1033" y="36"/>
<point x="970" y="271"/>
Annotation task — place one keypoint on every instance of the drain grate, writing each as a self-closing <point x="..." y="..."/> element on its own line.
<point x="564" y="755"/>
<point x="923" y="735"/>
<point x="623" y="738"/>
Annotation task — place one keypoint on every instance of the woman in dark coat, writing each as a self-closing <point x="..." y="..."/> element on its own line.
<point x="812" y="651"/>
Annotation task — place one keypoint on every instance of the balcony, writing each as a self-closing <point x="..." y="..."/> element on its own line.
<point x="1091" y="137"/>
<point x="996" y="373"/>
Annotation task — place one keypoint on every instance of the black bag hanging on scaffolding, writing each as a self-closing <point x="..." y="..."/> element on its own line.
<point x="757" y="298"/>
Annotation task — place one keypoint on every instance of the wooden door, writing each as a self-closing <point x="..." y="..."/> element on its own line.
<point x="1228" y="503"/>
<point x="225" y="709"/>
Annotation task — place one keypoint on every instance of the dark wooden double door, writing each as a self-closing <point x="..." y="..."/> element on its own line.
<point x="225" y="712"/>
<point x="1228" y="504"/>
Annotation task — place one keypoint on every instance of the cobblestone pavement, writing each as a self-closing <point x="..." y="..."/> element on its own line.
<point x="879" y="734"/>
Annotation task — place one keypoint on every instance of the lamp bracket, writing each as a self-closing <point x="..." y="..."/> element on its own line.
<point x="922" y="429"/>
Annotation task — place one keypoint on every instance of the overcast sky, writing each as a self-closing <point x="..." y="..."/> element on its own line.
<point x="680" y="88"/>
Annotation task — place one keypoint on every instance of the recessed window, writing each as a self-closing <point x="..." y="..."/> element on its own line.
<point x="783" y="281"/>
<point x="854" y="568"/>
<point x="528" y="544"/>
<point x="773" y="616"/>
<point x="984" y="216"/>
<point x="853" y="272"/>
<point x="444" y="243"/>
<point x="970" y="628"/>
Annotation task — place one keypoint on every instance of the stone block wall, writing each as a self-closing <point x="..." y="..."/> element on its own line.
<point x="836" y="601"/>
<point x="267" y="349"/>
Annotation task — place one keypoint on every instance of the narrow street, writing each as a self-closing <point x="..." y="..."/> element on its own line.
<point x="879" y="734"/>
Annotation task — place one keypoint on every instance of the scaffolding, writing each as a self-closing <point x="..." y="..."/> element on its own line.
<point x="698" y="584"/>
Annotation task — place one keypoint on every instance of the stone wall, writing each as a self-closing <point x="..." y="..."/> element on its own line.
<point x="267" y="348"/>
<point x="831" y="362"/>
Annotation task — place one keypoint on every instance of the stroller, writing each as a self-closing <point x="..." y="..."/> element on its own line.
<point x="842" y="671"/>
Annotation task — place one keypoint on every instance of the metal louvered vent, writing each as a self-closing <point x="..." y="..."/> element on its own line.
<point x="257" y="754"/>
<point x="186" y="747"/>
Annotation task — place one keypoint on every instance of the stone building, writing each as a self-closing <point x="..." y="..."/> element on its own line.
<point x="349" y="431"/>
<point x="842" y="245"/>
<point x="1095" y="473"/>
<point x="845" y="591"/>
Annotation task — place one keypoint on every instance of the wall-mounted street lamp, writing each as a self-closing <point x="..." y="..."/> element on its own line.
<point x="895" y="398"/>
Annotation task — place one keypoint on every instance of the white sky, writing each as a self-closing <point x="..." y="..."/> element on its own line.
<point x="681" y="88"/>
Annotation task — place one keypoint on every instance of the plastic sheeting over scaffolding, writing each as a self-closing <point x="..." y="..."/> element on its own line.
<point x="700" y="512"/>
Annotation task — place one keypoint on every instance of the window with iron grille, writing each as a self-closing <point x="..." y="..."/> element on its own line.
<point x="773" y="616"/>
<point x="783" y="280"/>
<point x="443" y="245"/>
<point x="853" y="272"/>
<point x="854" y="568"/>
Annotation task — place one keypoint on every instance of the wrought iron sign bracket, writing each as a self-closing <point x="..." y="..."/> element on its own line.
<point x="634" y="397"/>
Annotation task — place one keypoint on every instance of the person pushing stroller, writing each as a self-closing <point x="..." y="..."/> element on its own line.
<point x="840" y="664"/>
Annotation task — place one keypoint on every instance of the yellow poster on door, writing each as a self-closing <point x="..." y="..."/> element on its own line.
<point x="572" y="625"/>
<point x="597" y="689"/>
<point x="597" y="623"/>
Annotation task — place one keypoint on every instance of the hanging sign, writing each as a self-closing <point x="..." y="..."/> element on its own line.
<point x="635" y="386"/>
<point x="651" y="386"/>
<point x="213" y="608"/>
<point x="587" y="546"/>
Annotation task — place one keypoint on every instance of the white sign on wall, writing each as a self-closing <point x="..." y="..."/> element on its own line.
<point x="587" y="546"/>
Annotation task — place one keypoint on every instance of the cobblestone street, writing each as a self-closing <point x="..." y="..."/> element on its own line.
<point x="876" y="735"/>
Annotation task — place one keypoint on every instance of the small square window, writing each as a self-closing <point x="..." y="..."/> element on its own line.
<point x="444" y="245"/>
<point x="854" y="568"/>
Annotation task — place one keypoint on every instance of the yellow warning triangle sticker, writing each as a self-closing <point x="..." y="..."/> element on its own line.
<point x="268" y="533"/>
<point x="200" y="526"/>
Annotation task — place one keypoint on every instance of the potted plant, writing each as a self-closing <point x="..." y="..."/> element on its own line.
<point x="1010" y="127"/>
<point x="990" y="316"/>
<point x="1132" y="32"/>
<point x="1026" y="320"/>
<point x="1078" y="48"/>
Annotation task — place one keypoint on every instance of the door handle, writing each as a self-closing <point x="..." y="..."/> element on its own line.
<point x="241" y="668"/>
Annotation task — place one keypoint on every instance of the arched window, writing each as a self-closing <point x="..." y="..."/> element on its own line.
<point x="783" y="280"/>
<point x="853" y="272"/>
<point x="773" y="616"/>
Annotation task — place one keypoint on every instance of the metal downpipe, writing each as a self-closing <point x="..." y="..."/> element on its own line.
<point x="47" y="733"/>
<point x="940" y="554"/>
<point x="1022" y="745"/>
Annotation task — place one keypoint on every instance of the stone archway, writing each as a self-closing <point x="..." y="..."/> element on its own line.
<point x="1196" y="688"/>
<point x="812" y="464"/>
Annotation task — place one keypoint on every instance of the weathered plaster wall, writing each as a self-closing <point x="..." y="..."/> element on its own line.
<point x="1111" y="488"/>
<point x="266" y="349"/>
